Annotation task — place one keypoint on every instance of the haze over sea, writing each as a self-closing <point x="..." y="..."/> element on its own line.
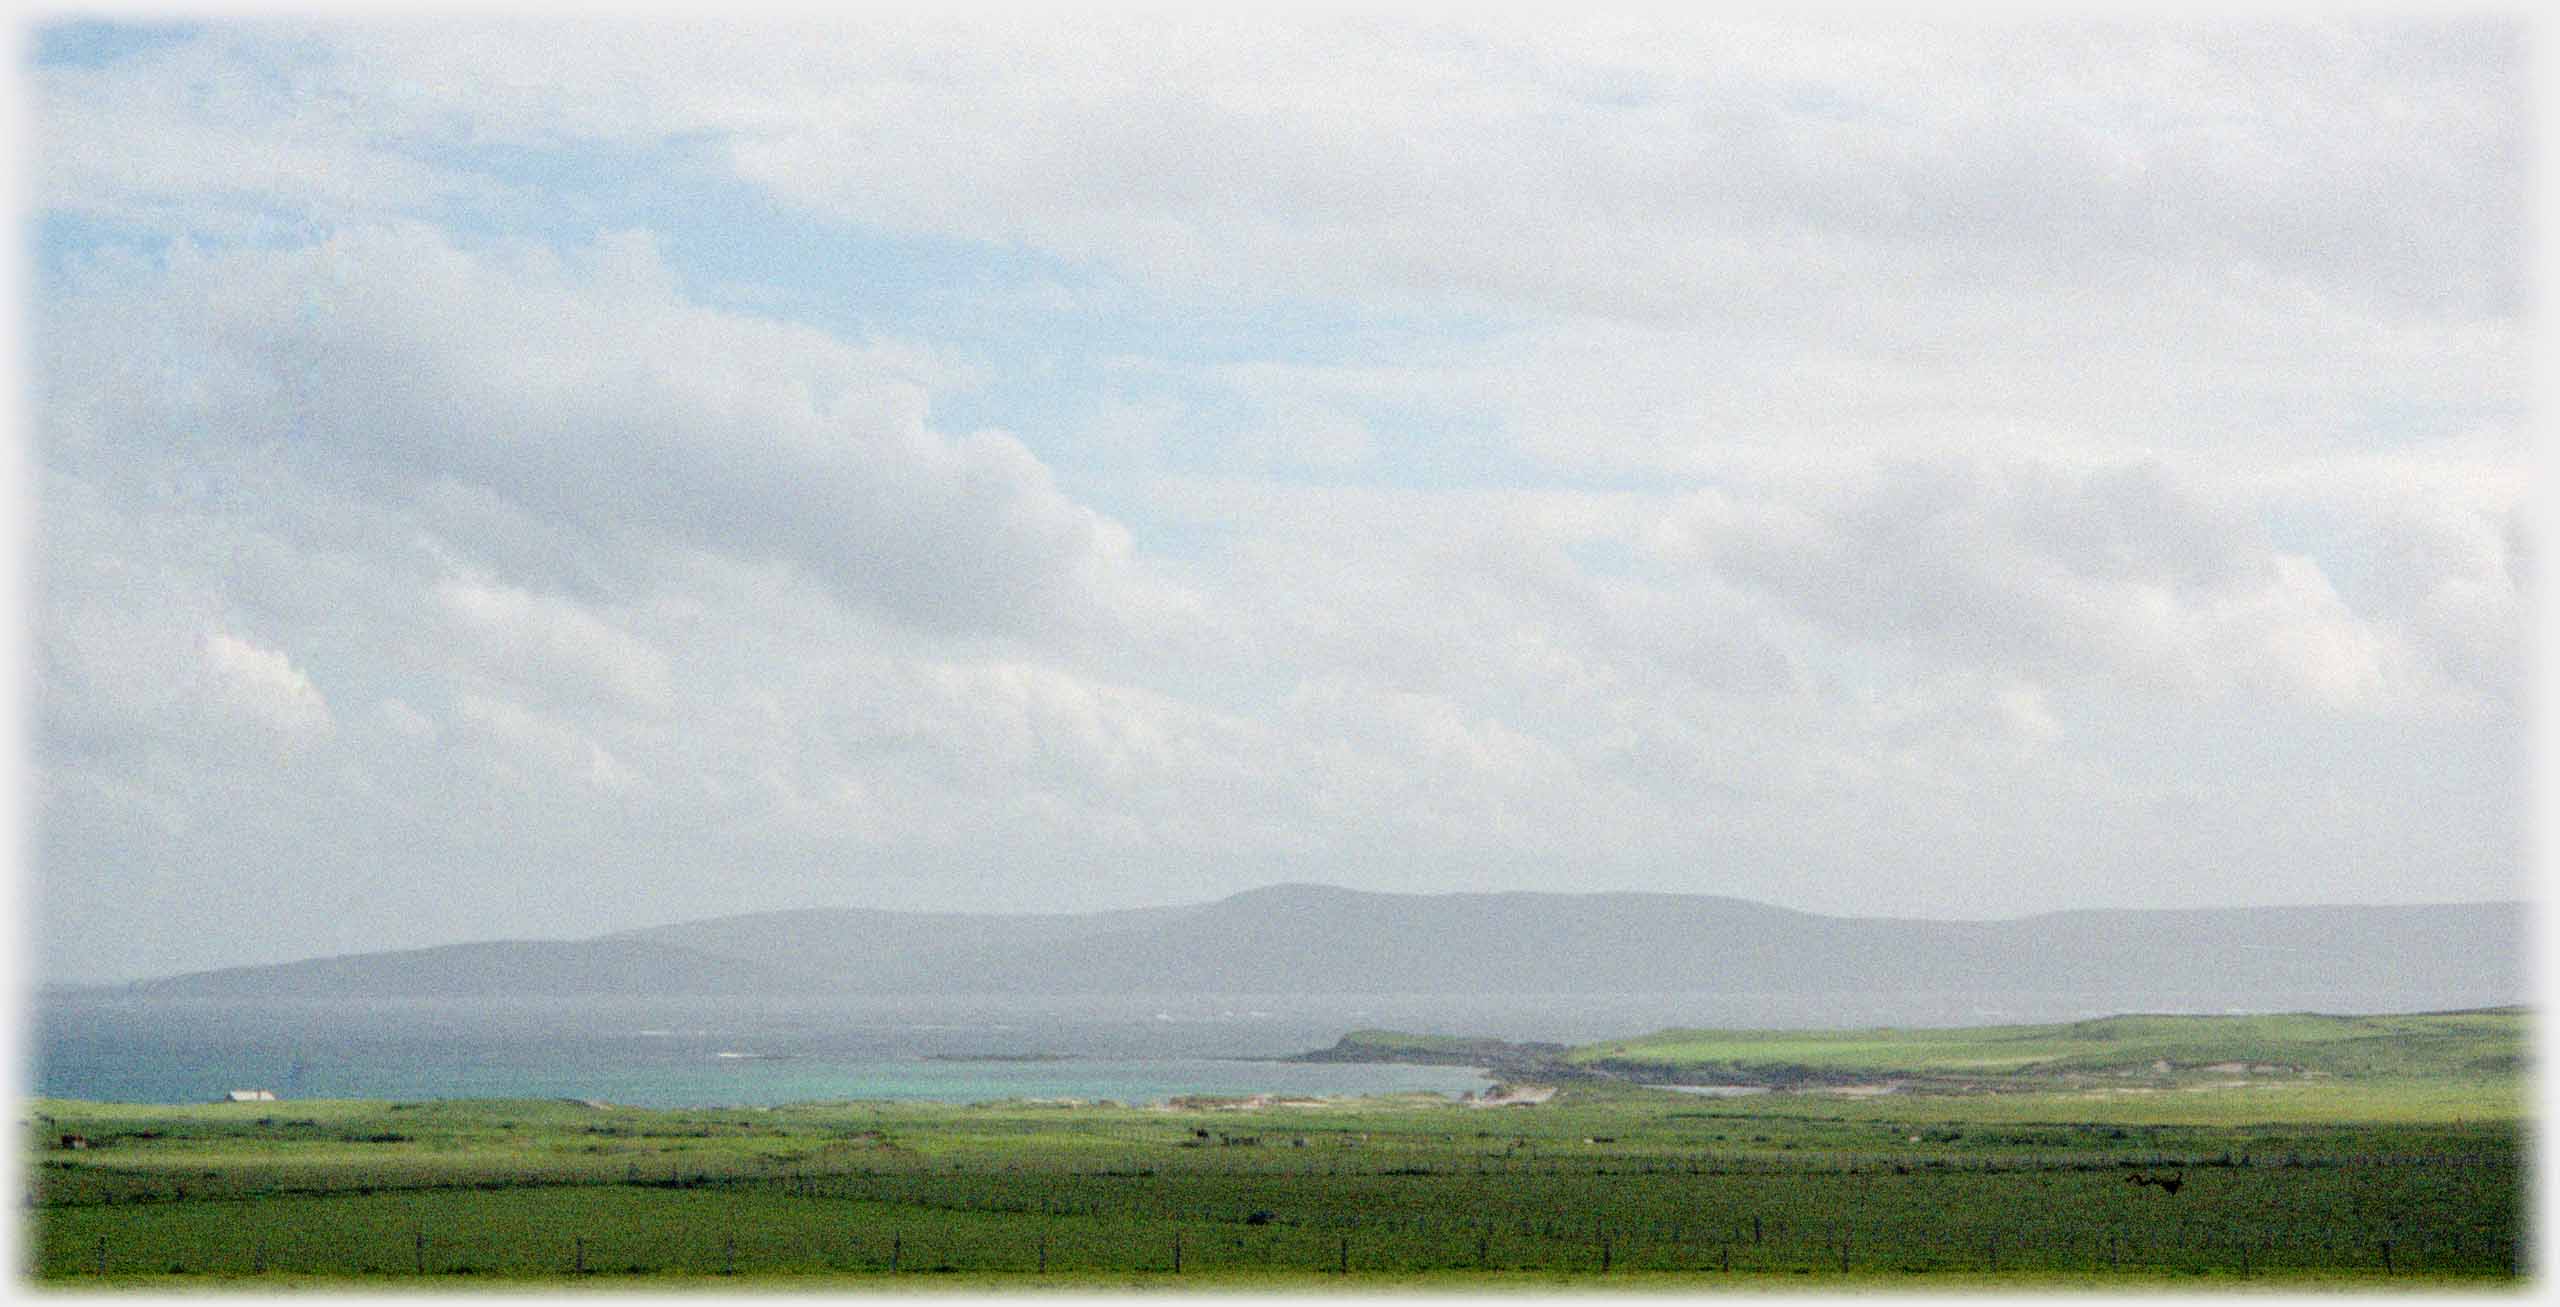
<point x="957" y="1048"/>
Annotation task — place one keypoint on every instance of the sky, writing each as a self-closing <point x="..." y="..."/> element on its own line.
<point x="527" y="480"/>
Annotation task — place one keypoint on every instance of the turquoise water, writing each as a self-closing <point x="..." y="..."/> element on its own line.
<point x="772" y="1083"/>
<point x="122" y="1047"/>
<point x="698" y="1052"/>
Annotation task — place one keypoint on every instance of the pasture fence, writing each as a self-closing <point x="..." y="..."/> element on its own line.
<point x="2387" y="1215"/>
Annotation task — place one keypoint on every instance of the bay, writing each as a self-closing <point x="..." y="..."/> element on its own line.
<point x="126" y="1046"/>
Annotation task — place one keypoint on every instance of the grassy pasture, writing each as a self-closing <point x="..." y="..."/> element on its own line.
<point x="2428" y="1046"/>
<point x="2387" y="1177"/>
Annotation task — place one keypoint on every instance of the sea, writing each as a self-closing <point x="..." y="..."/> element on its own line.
<point x="121" y="1046"/>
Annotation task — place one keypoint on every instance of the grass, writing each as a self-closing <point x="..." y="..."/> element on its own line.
<point x="2386" y="1176"/>
<point x="2410" y="1047"/>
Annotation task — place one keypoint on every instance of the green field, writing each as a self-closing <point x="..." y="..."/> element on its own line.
<point x="2372" y="1167"/>
<point x="2436" y="1046"/>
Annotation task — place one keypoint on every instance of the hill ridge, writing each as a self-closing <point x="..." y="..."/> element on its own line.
<point x="1302" y="938"/>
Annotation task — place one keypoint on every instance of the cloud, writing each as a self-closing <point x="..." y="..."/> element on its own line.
<point x="405" y="720"/>
<point x="553" y="643"/>
<point x="263" y="687"/>
<point x="589" y="392"/>
<point x="1644" y="169"/>
<point x="1662" y="169"/>
<point x="225" y="131"/>
<point x="530" y="747"/>
<point x="1946" y="469"/>
<point x="2126" y="574"/>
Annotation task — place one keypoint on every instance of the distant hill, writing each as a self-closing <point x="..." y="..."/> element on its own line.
<point x="505" y="967"/>
<point x="1308" y="939"/>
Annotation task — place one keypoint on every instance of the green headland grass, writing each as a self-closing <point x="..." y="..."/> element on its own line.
<point x="2462" y="1044"/>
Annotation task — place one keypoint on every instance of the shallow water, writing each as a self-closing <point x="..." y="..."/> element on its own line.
<point x="668" y="1052"/>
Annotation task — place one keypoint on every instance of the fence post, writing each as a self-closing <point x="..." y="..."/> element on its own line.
<point x="1044" y="1254"/>
<point x="578" y="1255"/>
<point x="729" y="1256"/>
<point x="896" y="1246"/>
<point x="102" y="1255"/>
<point x="1342" y="1257"/>
<point x="1604" y="1253"/>
<point x="1177" y="1252"/>
<point x="421" y="1248"/>
<point x="2386" y="1257"/>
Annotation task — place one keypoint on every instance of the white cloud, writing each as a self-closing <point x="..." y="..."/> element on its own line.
<point x="553" y="643"/>
<point x="220" y="132"/>
<point x="588" y="392"/>
<point x="2025" y="711"/>
<point x="405" y="720"/>
<point x="2127" y="575"/>
<point x="530" y="747"/>
<point x="263" y="687"/>
<point x="1660" y="168"/>
<point x="2036" y="457"/>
